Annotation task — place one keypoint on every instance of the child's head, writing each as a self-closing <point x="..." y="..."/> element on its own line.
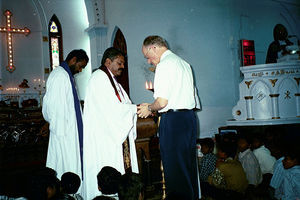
<point x="257" y="141"/>
<point x="291" y="157"/>
<point x="43" y="185"/>
<point x="70" y="183"/>
<point x="130" y="187"/>
<point x="226" y="149"/>
<point x="207" y="145"/>
<point x="243" y="143"/>
<point x="108" y="180"/>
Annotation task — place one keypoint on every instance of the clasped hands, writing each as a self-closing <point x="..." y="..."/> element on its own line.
<point x="143" y="111"/>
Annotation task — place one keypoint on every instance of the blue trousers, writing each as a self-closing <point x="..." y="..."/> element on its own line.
<point x="177" y="136"/>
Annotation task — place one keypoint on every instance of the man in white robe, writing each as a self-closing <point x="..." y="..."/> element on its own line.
<point x="61" y="108"/>
<point x="109" y="119"/>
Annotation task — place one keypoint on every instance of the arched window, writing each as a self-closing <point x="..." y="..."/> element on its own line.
<point x="55" y="42"/>
<point x="120" y="43"/>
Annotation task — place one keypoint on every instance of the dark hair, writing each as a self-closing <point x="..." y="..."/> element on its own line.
<point x="39" y="182"/>
<point x="258" y="137"/>
<point x="155" y="39"/>
<point x="111" y="53"/>
<point x="207" y="142"/>
<point x="108" y="180"/>
<point x="279" y="31"/>
<point x="80" y="54"/>
<point x="64" y="197"/>
<point x="292" y="151"/>
<point x="103" y="198"/>
<point x="70" y="182"/>
<point x="228" y="148"/>
<point x="130" y="186"/>
<point x="245" y="137"/>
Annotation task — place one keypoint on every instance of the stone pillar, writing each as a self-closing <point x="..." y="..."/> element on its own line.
<point x="275" y="110"/>
<point x="98" y="43"/>
<point x="297" y="95"/>
<point x="249" y="107"/>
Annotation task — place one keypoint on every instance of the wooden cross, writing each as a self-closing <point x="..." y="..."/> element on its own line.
<point x="9" y="31"/>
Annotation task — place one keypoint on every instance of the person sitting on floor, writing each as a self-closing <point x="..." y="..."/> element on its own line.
<point x="44" y="185"/>
<point x="264" y="157"/>
<point x="229" y="179"/>
<point x="108" y="181"/>
<point x="131" y="187"/>
<point x="249" y="162"/>
<point x="289" y="184"/>
<point x="207" y="163"/>
<point x="70" y="183"/>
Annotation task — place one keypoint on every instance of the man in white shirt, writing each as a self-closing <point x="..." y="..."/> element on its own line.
<point x="175" y="99"/>
<point x="263" y="155"/>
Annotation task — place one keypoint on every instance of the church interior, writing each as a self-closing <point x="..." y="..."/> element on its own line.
<point x="225" y="42"/>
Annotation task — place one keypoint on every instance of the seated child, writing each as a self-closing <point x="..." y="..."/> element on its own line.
<point x="229" y="179"/>
<point x="43" y="185"/>
<point x="108" y="181"/>
<point x="289" y="187"/>
<point x="207" y="163"/>
<point x="263" y="155"/>
<point x="70" y="183"/>
<point x="249" y="162"/>
<point x="131" y="187"/>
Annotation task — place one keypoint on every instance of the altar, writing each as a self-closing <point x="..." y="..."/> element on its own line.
<point x="269" y="95"/>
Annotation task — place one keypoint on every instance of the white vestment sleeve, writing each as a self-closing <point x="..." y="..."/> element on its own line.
<point x="118" y="117"/>
<point x="107" y="123"/>
<point x="56" y="107"/>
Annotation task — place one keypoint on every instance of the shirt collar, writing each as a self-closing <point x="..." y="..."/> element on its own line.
<point x="110" y="195"/>
<point x="297" y="168"/>
<point x="112" y="75"/>
<point x="242" y="154"/>
<point x="165" y="54"/>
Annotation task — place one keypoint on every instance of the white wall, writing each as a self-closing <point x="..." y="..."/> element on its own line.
<point x="205" y="33"/>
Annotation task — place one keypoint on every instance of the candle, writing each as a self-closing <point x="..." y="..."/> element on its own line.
<point x="149" y="86"/>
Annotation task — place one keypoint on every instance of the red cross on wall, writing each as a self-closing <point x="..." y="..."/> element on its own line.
<point x="9" y="31"/>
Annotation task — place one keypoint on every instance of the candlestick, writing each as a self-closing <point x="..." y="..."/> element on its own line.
<point x="39" y="85"/>
<point x="149" y="86"/>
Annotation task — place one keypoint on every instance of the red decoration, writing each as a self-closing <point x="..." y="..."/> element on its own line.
<point x="248" y="52"/>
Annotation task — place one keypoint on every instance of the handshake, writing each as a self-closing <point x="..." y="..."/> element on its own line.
<point x="143" y="110"/>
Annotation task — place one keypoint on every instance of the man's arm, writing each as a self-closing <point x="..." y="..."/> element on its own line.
<point x="146" y="109"/>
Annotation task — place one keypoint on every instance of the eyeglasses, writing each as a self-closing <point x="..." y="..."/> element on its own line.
<point x="147" y="52"/>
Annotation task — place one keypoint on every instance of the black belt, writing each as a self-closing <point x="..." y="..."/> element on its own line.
<point x="175" y="110"/>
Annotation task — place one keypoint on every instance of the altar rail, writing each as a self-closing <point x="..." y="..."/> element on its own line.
<point x="10" y="98"/>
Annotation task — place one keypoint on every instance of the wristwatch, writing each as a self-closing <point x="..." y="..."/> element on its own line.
<point x="149" y="109"/>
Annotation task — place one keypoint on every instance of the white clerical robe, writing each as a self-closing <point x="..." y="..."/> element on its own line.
<point x="58" y="109"/>
<point x="107" y="123"/>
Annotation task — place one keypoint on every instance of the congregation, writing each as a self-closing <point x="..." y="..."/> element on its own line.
<point x="255" y="166"/>
<point x="43" y="184"/>
<point x="231" y="166"/>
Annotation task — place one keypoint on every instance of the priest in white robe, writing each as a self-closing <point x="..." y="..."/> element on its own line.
<point x="109" y="120"/>
<point x="61" y="108"/>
